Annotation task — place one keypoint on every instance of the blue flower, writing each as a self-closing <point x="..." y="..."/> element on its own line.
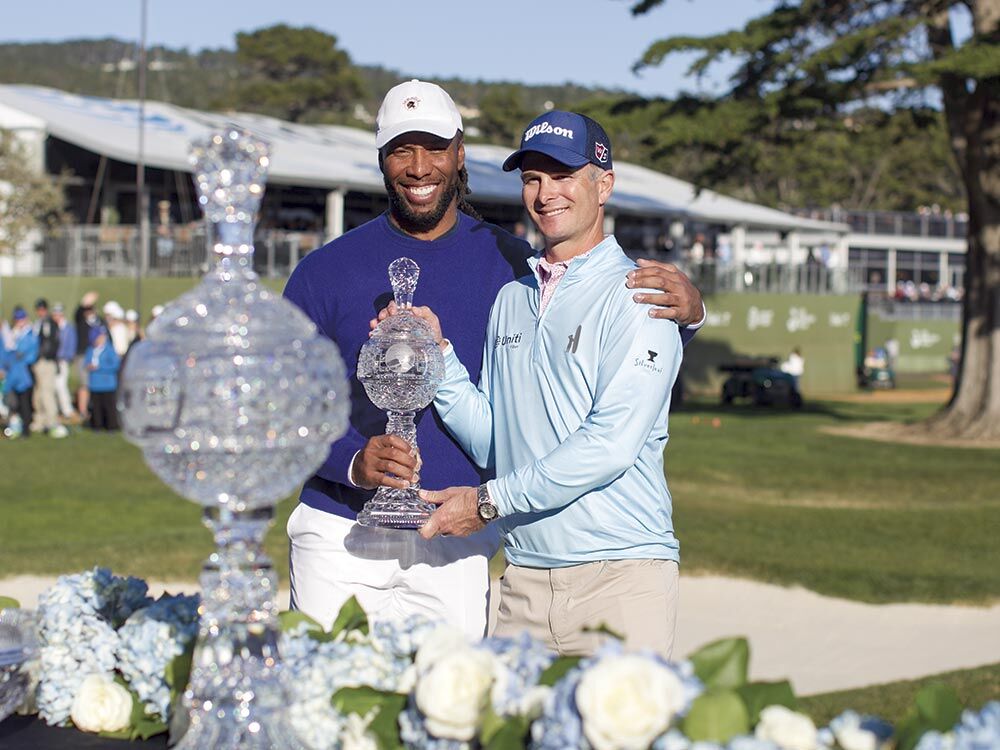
<point x="149" y="640"/>
<point x="78" y="616"/>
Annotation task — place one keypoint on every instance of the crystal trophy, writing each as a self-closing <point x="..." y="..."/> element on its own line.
<point x="18" y="647"/>
<point x="400" y="366"/>
<point x="234" y="399"/>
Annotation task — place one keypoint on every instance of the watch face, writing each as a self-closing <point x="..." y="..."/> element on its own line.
<point x="487" y="511"/>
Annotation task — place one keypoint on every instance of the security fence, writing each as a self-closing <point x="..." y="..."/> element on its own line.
<point x="96" y="251"/>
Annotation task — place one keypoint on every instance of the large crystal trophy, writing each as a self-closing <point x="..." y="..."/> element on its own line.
<point x="401" y="367"/>
<point x="234" y="399"/>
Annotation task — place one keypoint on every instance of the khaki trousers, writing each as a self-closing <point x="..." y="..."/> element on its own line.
<point x="46" y="409"/>
<point x="560" y="606"/>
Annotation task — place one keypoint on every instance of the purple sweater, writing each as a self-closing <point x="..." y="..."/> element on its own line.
<point x="344" y="284"/>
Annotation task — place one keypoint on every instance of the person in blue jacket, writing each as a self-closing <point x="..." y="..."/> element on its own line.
<point x="571" y="410"/>
<point x="102" y="362"/>
<point x="464" y="262"/>
<point x="21" y="352"/>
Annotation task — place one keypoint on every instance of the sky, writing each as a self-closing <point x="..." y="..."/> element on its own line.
<point x="587" y="42"/>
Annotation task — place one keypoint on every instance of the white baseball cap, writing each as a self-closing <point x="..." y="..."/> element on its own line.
<point x="416" y="106"/>
<point x="131" y="316"/>
<point x="113" y="310"/>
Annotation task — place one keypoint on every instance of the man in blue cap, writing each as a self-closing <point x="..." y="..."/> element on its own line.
<point x="464" y="261"/>
<point x="571" y="411"/>
<point x="21" y="352"/>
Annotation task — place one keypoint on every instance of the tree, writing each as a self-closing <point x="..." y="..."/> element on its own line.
<point x="807" y="60"/>
<point x="29" y="199"/>
<point x="296" y="74"/>
<point x="503" y="115"/>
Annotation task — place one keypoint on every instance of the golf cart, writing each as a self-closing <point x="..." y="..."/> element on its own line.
<point x="760" y="380"/>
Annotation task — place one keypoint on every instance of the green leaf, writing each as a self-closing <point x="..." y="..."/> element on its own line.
<point x="557" y="670"/>
<point x="147" y="727"/>
<point x="7" y="602"/>
<point x="179" y="669"/>
<point x="361" y="700"/>
<point x="939" y="705"/>
<point x="292" y="618"/>
<point x="936" y="707"/>
<point x="760" y="695"/>
<point x="491" y="724"/>
<point x="351" y="617"/>
<point x="717" y="715"/>
<point x="722" y="663"/>
<point x="512" y="735"/>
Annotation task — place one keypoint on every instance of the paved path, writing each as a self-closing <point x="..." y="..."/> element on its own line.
<point x="817" y="642"/>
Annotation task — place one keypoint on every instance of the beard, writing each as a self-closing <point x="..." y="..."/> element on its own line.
<point x="412" y="221"/>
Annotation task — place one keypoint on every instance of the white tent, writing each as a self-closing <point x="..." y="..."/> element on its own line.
<point x="341" y="158"/>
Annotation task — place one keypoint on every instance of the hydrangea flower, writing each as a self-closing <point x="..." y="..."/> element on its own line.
<point x="561" y="725"/>
<point x="852" y="731"/>
<point x="317" y="669"/>
<point x="78" y="617"/>
<point x="149" y="640"/>
<point x="976" y="731"/>
<point x="521" y="662"/>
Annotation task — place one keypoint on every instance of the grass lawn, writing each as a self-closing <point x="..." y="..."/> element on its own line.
<point x="975" y="687"/>
<point x="765" y="495"/>
<point x="90" y="500"/>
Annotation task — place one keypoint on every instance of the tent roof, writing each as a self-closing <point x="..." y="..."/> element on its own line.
<point x="333" y="156"/>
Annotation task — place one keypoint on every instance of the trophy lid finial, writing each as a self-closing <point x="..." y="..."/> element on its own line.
<point x="403" y="275"/>
<point x="230" y="172"/>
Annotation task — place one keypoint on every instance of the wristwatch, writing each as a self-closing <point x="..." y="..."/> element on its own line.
<point x="487" y="508"/>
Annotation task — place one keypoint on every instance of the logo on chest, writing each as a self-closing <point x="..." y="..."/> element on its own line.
<point x="507" y="341"/>
<point x="648" y="362"/>
<point x="574" y="340"/>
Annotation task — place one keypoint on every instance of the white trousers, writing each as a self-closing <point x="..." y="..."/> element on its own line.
<point x="394" y="574"/>
<point x="62" y="388"/>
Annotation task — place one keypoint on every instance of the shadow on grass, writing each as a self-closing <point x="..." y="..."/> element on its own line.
<point x="844" y="412"/>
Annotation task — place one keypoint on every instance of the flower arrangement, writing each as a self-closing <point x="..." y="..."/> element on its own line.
<point x="113" y="660"/>
<point x="109" y="653"/>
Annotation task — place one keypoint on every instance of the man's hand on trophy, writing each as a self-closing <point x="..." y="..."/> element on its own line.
<point x="385" y="460"/>
<point x="422" y="312"/>
<point x="457" y="513"/>
<point x="679" y="299"/>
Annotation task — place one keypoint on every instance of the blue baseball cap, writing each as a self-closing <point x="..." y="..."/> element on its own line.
<point x="568" y="137"/>
<point x="95" y="332"/>
<point x="19" y="313"/>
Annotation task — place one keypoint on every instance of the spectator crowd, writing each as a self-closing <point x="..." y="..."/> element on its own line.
<point x="41" y="356"/>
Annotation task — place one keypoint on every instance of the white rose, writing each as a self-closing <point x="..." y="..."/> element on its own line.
<point x="787" y="729"/>
<point x="627" y="701"/>
<point x="101" y="705"/>
<point x="850" y="736"/>
<point x="356" y="735"/>
<point x="453" y="692"/>
<point x="533" y="701"/>
<point x="443" y="640"/>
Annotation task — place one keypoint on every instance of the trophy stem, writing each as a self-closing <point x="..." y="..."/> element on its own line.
<point x="237" y="693"/>
<point x="392" y="508"/>
<point x="401" y="423"/>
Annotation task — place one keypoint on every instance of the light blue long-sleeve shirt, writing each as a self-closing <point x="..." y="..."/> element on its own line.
<point x="571" y="410"/>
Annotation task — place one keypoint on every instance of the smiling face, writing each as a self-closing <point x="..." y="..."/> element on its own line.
<point x="566" y="204"/>
<point x="421" y="175"/>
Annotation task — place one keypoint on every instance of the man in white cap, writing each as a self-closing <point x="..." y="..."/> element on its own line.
<point x="464" y="262"/>
<point x="114" y="314"/>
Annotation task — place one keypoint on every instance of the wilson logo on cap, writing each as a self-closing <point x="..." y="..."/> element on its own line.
<point x="601" y="152"/>
<point x="545" y="127"/>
